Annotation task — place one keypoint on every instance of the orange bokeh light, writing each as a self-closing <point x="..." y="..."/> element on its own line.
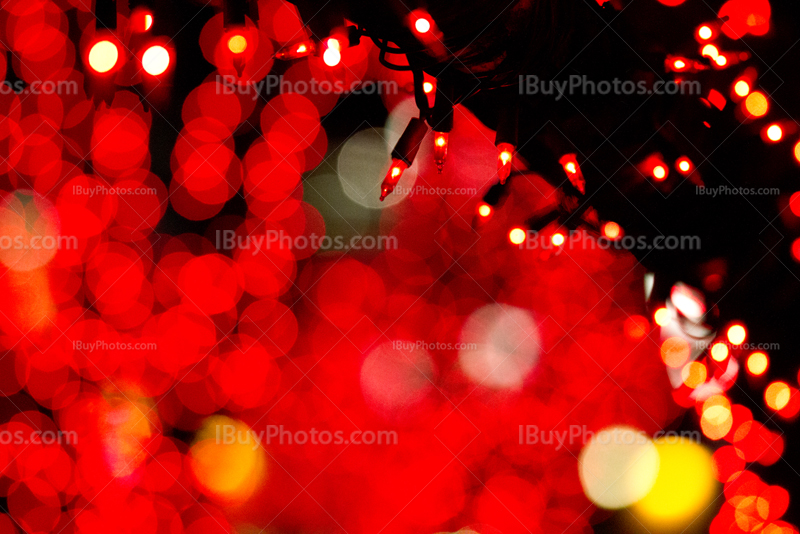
<point x="694" y="374"/>
<point x="777" y="395"/>
<point x="756" y="104"/>
<point x="237" y="44"/>
<point x="611" y="230"/>
<point x="675" y="352"/>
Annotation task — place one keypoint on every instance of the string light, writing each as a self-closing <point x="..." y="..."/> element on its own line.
<point x="611" y="230"/>
<point x="485" y="210"/>
<point x="441" y="140"/>
<point x="737" y="334"/>
<point x="237" y="44"/>
<point x="569" y="162"/>
<point x="517" y="236"/>
<point x="422" y="25"/>
<point x="332" y="55"/>
<point x="103" y="56"/>
<point x="719" y="351"/>
<point x="659" y="172"/>
<point x="741" y="88"/>
<point x="774" y="133"/>
<point x="757" y="363"/>
<point x="505" y="158"/>
<point x="684" y="165"/>
<point x="296" y="51"/>
<point x="705" y="33"/>
<point x="156" y="60"/>
<point x="392" y="177"/>
<point x="756" y="104"/>
<point x="661" y="317"/>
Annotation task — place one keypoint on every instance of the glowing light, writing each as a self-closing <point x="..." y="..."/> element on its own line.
<point x="484" y="210"/>
<point x="237" y="44"/>
<point x="777" y="395"/>
<point x="796" y="249"/>
<point x="103" y="56"/>
<point x="717" y="418"/>
<point x="618" y="467"/>
<point x="148" y="22"/>
<point x="694" y="374"/>
<point x="705" y="33"/>
<point x="611" y="230"/>
<point x="774" y="133"/>
<point x="636" y="327"/>
<point x="679" y="64"/>
<point x="757" y="363"/>
<point x="687" y="300"/>
<point x="557" y="239"/>
<point x="440" y="150"/>
<point x="227" y="470"/>
<point x="422" y="25"/>
<point x="684" y="165"/>
<point x="684" y="486"/>
<point x="719" y="351"/>
<point x="756" y="104"/>
<point x="741" y="88"/>
<point x="797" y="152"/>
<point x="505" y="155"/>
<point x="721" y="60"/>
<point x="661" y="317"/>
<point x="427" y="87"/>
<point x="710" y="51"/>
<point x="794" y="204"/>
<point x="737" y="334"/>
<point x="517" y="236"/>
<point x="508" y="346"/>
<point x="302" y="49"/>
<point x="332" y="57"/>
<point x="392" y="177"/>
<point x="659" y="172"/>
<point x="675" y="352"/>
<point x="155" y="60"/>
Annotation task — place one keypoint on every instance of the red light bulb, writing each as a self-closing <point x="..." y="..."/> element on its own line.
<point x="505" y="158"/>
<point x="485" y="210"/>
<point x="392" y="177"/>
<point x="296" y="50"/>
<point x="440" y="143"/>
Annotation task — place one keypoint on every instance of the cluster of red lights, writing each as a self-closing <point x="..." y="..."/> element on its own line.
<point x="215" y="333"/>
